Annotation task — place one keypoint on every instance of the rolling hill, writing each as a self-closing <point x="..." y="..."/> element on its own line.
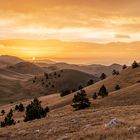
<point x="94" y="69"/>
<point x="128" y="79"/>
<point x="6" y="60"/>
<point x="26" y="68"/>
<point x="66" y="79"/>
<point x="63" y="122"/>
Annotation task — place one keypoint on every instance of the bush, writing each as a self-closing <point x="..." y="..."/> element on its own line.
<point x="90" y="82"/>
<point x="65" y="92"/>
<point x="3" y="112"/>
<point x="16" y="107"/>
<point x="47" y="109"/>
<point x="80" y="87"/>
<point x="46" y="75"/>
<point x="135" y="65"/>
<point x="80" y="101"/>
<point x="115" y="72"/>
<point x="34" y="111"/>
<point x="124" y="67"/>
<point x="95" y="95"/>
<point x="103" y="76"/>
<point x="8" y="119"/>
<point x="19" y="107"/>
<point x="103" y="91"/>
<point x="117" y="87"/>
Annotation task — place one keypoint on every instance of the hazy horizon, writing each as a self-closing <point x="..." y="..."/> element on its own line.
<point x="79" y="32"/>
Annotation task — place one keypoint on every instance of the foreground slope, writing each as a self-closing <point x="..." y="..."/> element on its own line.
<point x="89" y="124"/>
<point x="128" y="78"/>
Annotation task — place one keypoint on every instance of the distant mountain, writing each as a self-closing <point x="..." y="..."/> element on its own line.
<point x="26" y="68"/>
<point x="6" y="60"/>
<point x="94" y="69"/>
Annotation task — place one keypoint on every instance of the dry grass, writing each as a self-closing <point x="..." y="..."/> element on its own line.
<point x="66" y="124"/>
<point x="63" y="123"/>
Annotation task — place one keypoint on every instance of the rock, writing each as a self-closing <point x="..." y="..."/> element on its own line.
<point x="65" y="137"/>
<point x="37" y="131"/>
<point x="88" y="126"/>
<point x="114" y="122"/>
<point x="132" y="128"/>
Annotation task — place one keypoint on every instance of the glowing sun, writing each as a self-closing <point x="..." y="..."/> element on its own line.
<point x="33" y="58"/>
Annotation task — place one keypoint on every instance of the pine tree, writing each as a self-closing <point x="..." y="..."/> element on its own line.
<point x="21" y="107"/>
<point x="34" y="111"/>
<point x="103" y="76"/>
<point x="103" y="91"/>
<point x="16" y="107"/>
<point x="8" y="119"/>
<point x="80" y="100"/>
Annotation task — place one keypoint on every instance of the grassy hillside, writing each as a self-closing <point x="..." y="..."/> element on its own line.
<point x="128" y="78"/>
<point x="26" y="68"/>
<point x="58" y="81"/>
<point x="63" y="122"/>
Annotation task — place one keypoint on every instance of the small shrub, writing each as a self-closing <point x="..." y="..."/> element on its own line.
<point x="103" y="76"/>
<point x="73" y="90"/>
<point x="95" y="95"/>
<point x="135" y="65"/>
<point x="53" y="86"/>
<point x="124" y="67"/>
<point x="46" y="75"/>
<point x="21" y="107"/>
<point x="65" y="92"/>
<point x="47" y="109"/>
<point x="80" y="100"/>
<point x="115" y="72"/>
<point x="80" y="87"/>
<point x="3" y="112"/>
<point x="90" y="82"/>
<point x="43" y="83"/>
<point x="16" y="107"/>
<point x="117" y="87"/>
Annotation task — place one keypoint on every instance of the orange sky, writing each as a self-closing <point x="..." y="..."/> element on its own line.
<point x="100" y="21"/>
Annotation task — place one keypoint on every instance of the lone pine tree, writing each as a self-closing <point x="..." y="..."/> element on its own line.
<point x="80" y="100"/>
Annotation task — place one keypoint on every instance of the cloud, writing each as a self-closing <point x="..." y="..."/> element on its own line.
<point x="122" y="36"/>
<point x="48" y="18"/>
